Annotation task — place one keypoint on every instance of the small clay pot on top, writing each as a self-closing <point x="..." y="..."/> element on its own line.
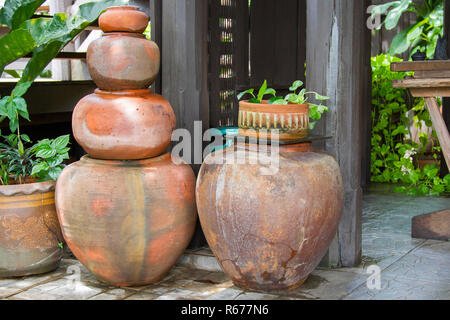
<point x="123" y="59"/>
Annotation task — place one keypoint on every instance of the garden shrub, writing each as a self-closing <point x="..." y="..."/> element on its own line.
<point x="392" y="155"/>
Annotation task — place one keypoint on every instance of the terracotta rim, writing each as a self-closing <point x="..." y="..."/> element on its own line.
<point x="124" y="34"/>
<point x="128" y="93"/>
<point x="272" y="108"/>
<point x="27" y="189"/>
<point x="127" y="7"/>
<point x="125" y="163"/>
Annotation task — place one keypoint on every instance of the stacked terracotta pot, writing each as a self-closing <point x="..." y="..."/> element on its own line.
<point x="127" y="212"/>
<point x="269" y="217"/>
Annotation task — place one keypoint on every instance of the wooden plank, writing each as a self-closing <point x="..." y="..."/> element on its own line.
<point x="446" y="101"/>
<point x="242" y="37"/>
<point x="52" y="96"/>
<point x="276" y="39"/>
<point x="432" y="74"/>
<point x="434" y="226"/>
<point x="185" y="61"/>
<point x="301" y="41"/>
<point x="421" y="83"/>
<point x="185" y="71"/>
<point x="440" y="127"/>
<point x="430" y="92"/>
<point x="420" y="65"/>
<point x="155" y="10"/>
<point x="366" y="115"/>
<point x="66" y="55"/>
<point x="262" y="28"/>
<point x="335" y="65"/>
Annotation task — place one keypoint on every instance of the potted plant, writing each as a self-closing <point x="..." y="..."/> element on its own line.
<point x="290" y="114"/>
<point x="30" y="236"/>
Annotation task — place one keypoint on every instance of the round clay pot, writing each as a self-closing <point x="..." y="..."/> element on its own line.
<point x="123" y="61"/>
<point x="29" y="230"/>
<point x="123" y="125"/>
<point x="127" y="221"/>
<point x="269" y="227"/>
<point x="123" y="18"/>
<point x="256" y="120"/>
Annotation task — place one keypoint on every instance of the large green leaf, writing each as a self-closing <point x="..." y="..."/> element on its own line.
<point x="34" y="33"/>
<point x="90" y="11"/>
<point x="15" y="12"/>
<point x="15" y="45"/>
<point x="41" y="58"/>
<point x="50" y="36"/>
<point x="400" y="43"/>
<point x="394" y="15"/>
<point x="382" y="8"/>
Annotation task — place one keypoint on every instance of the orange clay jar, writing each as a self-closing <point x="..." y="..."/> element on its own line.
<point x="270" y="224"/>
<point x="127" y="222"/>
<point x="127" y="211"/>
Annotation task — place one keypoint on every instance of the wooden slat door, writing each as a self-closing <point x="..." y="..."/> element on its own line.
<point x="248" y="44"/>
<point x="278" y="42"/>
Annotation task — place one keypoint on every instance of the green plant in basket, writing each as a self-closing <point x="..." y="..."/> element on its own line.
<point x="296" y="96"/>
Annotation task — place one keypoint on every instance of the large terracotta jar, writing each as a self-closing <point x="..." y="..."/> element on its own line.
<point x="29" y="229"/>
<point x="127" y="211"/>
<point x="269" y="222"/>
<point x="128" y="222"/>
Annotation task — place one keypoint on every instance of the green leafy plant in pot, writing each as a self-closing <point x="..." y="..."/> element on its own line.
<point x="290" y="115"/>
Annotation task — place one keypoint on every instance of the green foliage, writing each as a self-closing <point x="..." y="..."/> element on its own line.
<point x="148" y="31"/>
<point x="315" y="111"/>
<point x="50" y="155"/>
<point x="43" y="37"/>
<point x="263" y="91"/>
<point x="423" y="35"/>
<point x="392" y="154"/>
<point x="43" y="160"/>
<point x="14" y="12"/>
<point x="15" y="161"/>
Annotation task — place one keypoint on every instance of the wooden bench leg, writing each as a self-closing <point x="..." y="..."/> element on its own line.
<point x="440" y="127"/>
<point x="435" y="226"/>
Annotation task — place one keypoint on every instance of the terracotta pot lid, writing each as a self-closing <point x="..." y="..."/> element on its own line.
<point x="123" y="19"/>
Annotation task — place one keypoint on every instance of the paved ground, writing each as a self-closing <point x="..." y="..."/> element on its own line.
<point x="409" y="268"/>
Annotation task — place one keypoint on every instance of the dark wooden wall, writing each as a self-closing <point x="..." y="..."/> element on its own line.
<point x="268" y="43"/>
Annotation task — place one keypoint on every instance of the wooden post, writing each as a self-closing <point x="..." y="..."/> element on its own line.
<point x="155" y="13"/>
<point x="184" y="70"/>
<point x="334" y="67"/>
<point x="184" y="60"/>
<point x="440" y="127"/>
<point x="446" y="101"/>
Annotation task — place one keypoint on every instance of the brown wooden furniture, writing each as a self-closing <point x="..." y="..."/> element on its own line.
<point x="431" y="79"/>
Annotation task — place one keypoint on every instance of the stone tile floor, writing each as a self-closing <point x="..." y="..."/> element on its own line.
<point x="410" y="268"/>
